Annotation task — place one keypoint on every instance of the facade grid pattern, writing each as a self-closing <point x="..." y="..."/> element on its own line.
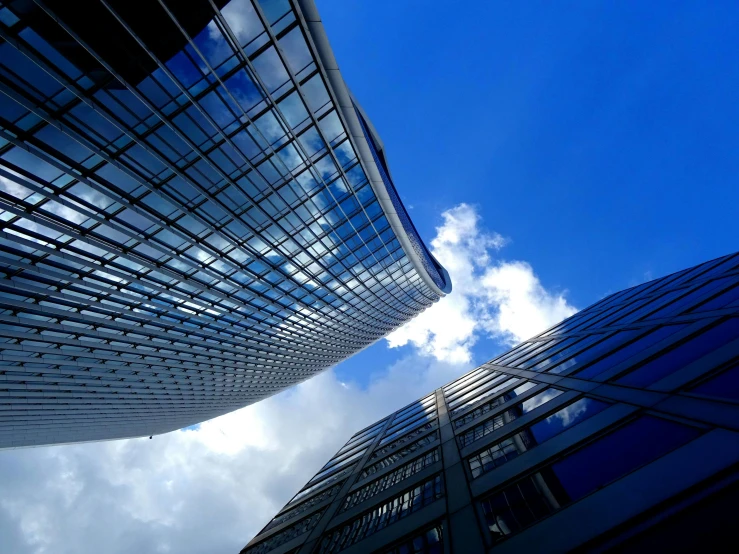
<point x="638" y="392"/>
<point x="187" y="222"/>
<point x="390" y="479"/>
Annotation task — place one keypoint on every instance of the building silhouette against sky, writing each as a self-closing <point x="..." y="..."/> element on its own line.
<point x="194" y="215"/>
<point x="616" y="430"/>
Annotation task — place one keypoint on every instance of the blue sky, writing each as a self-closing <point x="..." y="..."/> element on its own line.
<point x="600" y="139"/>
<point x="552" y="153"/>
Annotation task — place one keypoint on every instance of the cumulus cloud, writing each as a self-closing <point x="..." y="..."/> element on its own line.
<point x="492" y="297"/>
<point x="65" y="212"/>
<point x="210" y="489"/>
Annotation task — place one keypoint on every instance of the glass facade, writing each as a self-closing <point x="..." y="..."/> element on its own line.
<point x="192" y="215"/>
<point x="593" y="436"/>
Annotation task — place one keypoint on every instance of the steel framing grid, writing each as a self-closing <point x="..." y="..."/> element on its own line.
<point x="180" y="246"/>
<point x="654" y="369"/>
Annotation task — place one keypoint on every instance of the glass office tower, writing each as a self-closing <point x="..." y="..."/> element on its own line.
<point x="194" y="214"/>
<point x="615" y="431"/>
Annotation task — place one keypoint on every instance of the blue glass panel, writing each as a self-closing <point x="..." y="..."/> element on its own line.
<point x="518" y="351"/>
<point x="649" y="304"/>
<point x="537" y="400"/>
<point x="729" y="262"/>
<point x="722" y="300"/>
<point x="554" y="358"/>
<point x="685" y="275"/>
<point x="627" y="351"/>
<point x="529" y="437"/>
<point x="274" y="9"/>
<point x="725" y="385"/>
<point x="539" y="354"/>
<point x="619" y="453"/>
<point x="592" y="353"/>
<point x="568" y="416"/>
<point x="689" y="298"/>
<point x="682" y="355"/>
<point x="418" y="245"/>
<point x="581" y="473"/>
<point x="475" y="399"/>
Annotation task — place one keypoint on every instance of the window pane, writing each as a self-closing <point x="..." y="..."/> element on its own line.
<point x="595" y="351"/>
<point x="533" y="435"/>
<point x="539" y="354"/>
<point x="498" y="421"/>
<point x="490" y="405"/>
<point x="565" y="418"/>
<point x="554" y="358"/>
<point x="725" y="385"/>
<point x="690" y="298"/>
<point x="627" y="351"/>
<point x="582" y="472"/>
<point x="507" y="383"/>
<point x="624" y="450"/>
<point x="683" y="355"/>
<point x="724" y="299"/>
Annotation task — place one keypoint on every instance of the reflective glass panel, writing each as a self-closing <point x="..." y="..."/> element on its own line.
<point x="625" y="352"/>
<point x="595" y="351"/>
<point x="498" y="421"/>
<point x="679" y="357"/>
<point x="582" y="472"/>
<point x="726" y="298"/>
<point x="532" y="435"/>
<point x="724" y="385"/>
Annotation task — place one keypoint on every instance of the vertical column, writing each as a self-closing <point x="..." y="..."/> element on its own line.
<point x="464" y="530"/>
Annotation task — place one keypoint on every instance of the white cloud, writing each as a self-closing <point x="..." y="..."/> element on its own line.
<point x="14" y="189"/>
<point x="210" y="489"/>
<point x="207" y="490"/>
<point x="66" y="213"/>
<point x="568" y="414"/>
<point x="490" y="297"/>
<point x="241" y="19"/>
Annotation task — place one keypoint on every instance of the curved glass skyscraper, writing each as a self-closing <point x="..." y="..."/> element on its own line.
<point x="195" y="213"/>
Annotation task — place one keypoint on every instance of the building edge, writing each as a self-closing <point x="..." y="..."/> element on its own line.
<point x="307" y="11"/>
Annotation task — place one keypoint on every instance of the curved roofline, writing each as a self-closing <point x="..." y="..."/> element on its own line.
<point x="307" y="11"/>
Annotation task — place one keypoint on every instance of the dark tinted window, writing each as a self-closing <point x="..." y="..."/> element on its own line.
<point x="687" y="300"/>
<point x="596" y="350"/>
<point x="410" y="416"/>
<point x="645" y="306"/>
<point x="582" y="472"/>
<point x="684" y="354"/>
<point x="541" y="354"/>
<point x="525" y="353"/>
<point x="725" y="385"/>
<point x="620" y="452"/>
<point x="565" y="418"/>
<point x="561" y="354"/>
<point x="467" y="401"/>
<point x="474" y="388"/>
<point x="463" y="380"/>
<point x="407" y="427"/>
<point x="492" y="404"/>
<point x="625" y="352"/>
<point x="428" y="542"/>
<point x="537" y="400"/>
<point x="688" y="274"/>
<point x="529" y="437"/>
<point x="724" y="299"/>
<point x="520" y="350"/>
<point x="494" y="423"/>
<point x="729" y="263"/>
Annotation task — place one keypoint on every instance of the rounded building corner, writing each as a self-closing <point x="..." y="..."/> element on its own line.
<point x="370" y="151"/>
